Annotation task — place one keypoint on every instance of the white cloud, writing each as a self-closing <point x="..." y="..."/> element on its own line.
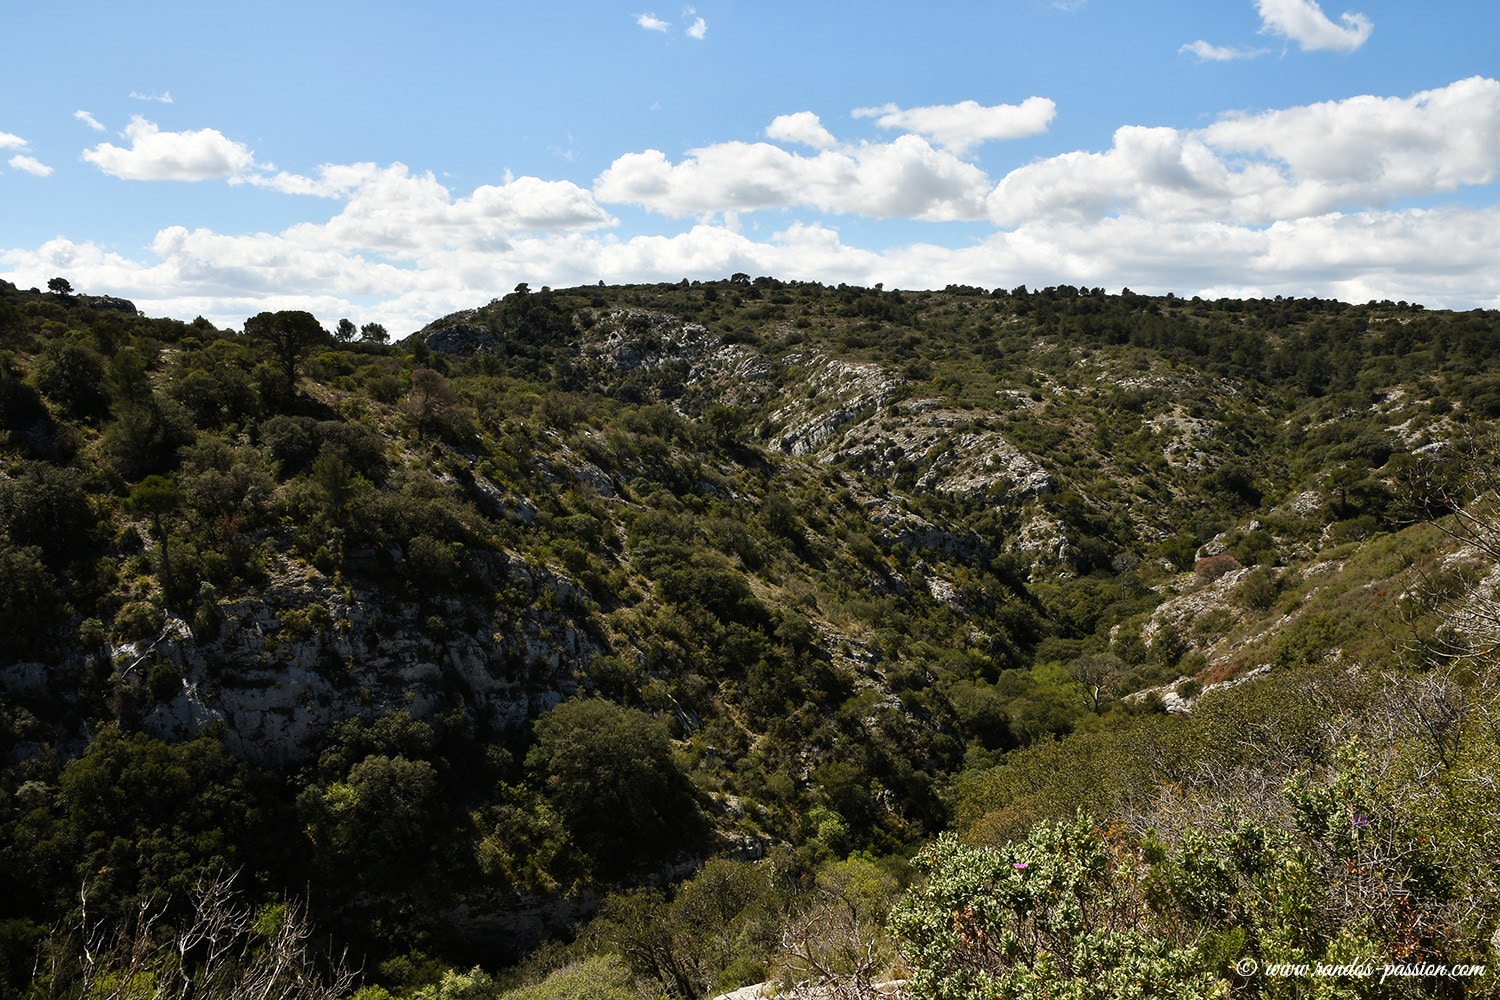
<point x="1304" y="22"/>
<point x="1256" y="169"/>
<point x="21" y="161"/>
<point x="962" y="126"/>
<point x="696" y="29"/>
<point x="402" y="238"/>
<point x="1294" y="201"/>
<point x="906" y="178"/>
<point x="404" y="216"/>
<point x="334" y="180"/>
<point x="803" y="127"/>
<point x="1370" y="150"/>
<point x="1218" y="53"/>
<point x="89" y="120"/>
<point x="30" y="165"/>
<point x="1148" y="171"/>
<point x="1442" y="256"/>
<point x="530" y="204"/>
<point x="163" y="98"/>
<point x="388" y="208"/>
<point x="155" y="155"/>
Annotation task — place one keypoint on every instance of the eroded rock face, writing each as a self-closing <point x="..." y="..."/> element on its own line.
<point x="110" y="303"/>
<point x="283" y="669"/>
<point x="840" y="393"/>
<point x="903" y="526"/>
<point x="1182" y="695"/>
<point x="1183" y="437"/>
<point x="462" y="339"/>
<point x="635" y="339"/>
<point x="632" y="340"/>
<point x="853" y="413"/>
<point x="956" y="454"/>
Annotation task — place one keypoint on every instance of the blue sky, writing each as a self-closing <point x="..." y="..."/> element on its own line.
<point x="392" y="163"/>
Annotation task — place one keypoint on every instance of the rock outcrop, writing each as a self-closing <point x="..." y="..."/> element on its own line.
<point x="288" y="664"/>
<point x="461" y="339"/>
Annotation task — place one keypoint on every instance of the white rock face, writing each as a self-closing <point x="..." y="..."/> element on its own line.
<point x="1181" y="436"/>
<point x="278" y="690"/>
<point x="841" y="392"/>
<point x="1175" y="699"/>
<point x="957" y="455"/>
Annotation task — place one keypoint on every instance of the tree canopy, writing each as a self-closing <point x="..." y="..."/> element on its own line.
<point x="289" y="334"/>
<point x="609" y="771"/>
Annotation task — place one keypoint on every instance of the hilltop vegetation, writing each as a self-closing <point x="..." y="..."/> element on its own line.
<point x="664" y="636"/>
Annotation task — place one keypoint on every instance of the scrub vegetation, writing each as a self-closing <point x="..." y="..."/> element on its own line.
<point x="663" y="640"/>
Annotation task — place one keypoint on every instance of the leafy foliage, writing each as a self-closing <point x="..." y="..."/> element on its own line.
<point x="596" y="593"/>
<point x="609" y="773"/>
<point x="1061" y="914"/>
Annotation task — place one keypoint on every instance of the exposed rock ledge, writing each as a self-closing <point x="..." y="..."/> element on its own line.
<point x="278" y="683"/>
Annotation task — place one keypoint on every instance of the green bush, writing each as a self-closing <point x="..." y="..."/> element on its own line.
<point x="29" y="599"/>
<point x="47" y="507"/>
<point x="72" y="375"/>
<point x="435" y="564"/>
<point x="138" y="620"/>
<point x="1259" y="588"/>
<point x="1062" y="914"/>
<point x="609" y="772"/>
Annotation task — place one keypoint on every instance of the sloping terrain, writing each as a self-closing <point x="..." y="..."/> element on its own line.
<point x="793" y="565"/>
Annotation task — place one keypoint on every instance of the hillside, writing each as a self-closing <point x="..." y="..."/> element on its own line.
<point x="485" y="637"/>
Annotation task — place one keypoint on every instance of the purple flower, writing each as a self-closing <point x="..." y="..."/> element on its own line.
<point x="1019" y="865"/>
<point x="1361" y="821"/>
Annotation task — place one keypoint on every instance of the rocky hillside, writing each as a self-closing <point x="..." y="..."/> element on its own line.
<point x="814" y="553"/>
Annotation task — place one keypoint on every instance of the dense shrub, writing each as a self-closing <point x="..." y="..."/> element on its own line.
<point x="609" y="772"/>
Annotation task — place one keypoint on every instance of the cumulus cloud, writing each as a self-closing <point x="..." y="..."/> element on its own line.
<point x="1437" y="256"/>
<point x="403" y="214"/>
<point x="1205" y="52"/>
<point x="906" y="178"/>
<point x="1304" y="22"/>
<point x="401" y="238"/>
<point x="1154" y="171"/>
<point x="334" y="180"/>
<point x="531" y="204"/>
<point x="803" y="127"/>
<point x="697" y="29"/>
<point x="397" y="214"/>
<point x="388" y="209"/>
<point x="162" y="98"/>
<point x="154" y="155"/>
<point x="89" y="120"/>
<point x="9" y="141"/>
<point x="1277" y="165"/>
<point x="1293" y="201"/>
<point x="1371" y="150"/>
<point x="30" y="165"/>
<point x="960" y="127"/>
<point x="296" y="262"/>
<point x="652" y="23"/>
<point x="1255" y="169"/>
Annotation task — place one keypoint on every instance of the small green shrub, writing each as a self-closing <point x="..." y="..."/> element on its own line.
<point x="138" y="620"/>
